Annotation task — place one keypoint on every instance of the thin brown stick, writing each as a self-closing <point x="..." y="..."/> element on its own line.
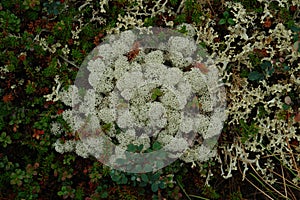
<point x="293" y="158"/>
<point x="274" y="189"/>
<point x="254" y="184"/>
<point x="287" y="180"/>
<point x="284" y="184"/>
<point x="208" y="2"/>
<point x="70" y="62"/>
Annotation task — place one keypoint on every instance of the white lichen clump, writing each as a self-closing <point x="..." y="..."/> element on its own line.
<point x="262" y="105"/>
<point x="130" y="101"/>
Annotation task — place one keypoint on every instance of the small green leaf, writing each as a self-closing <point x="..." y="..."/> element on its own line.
<point x="231" y="21"/>
<point x="131" y="148"/>
<point x="154" y="187"/>
<point x="265" y="65"/>
<point x="255" y="76"/>
<point x="271" y="71"/>
<point x="138" y="168"/>
<point x="159" y="164"/>
<point x="153" y="97"/>
<point x="295" y="29"/>
<point x="133" y="178"/>
<point x="116" y="178"/>
<point x="286" y="68"/>
<point x="156" y="146"/>
<point x="155" y="177"/>
<point x="244" y="73"/>
<point x="222" y="21"/>
<point x="148" y="168"/>
<point x="162" y="185"/>
<point x="124" y="179"/>
<point x="3" y="135"/>
<point x="226" y="14"/>
<point x="140" y="147"/>
<point x="156" y="93"/>
<point x="104" y="194"/>
<point x="106" y="127"/>
<point x="144" y="178"/>
<point x="285" y="106"/>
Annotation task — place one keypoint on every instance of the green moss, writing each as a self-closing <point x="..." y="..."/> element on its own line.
<point x="179" y="19"/>
<point x="150" y="21"/>
<point x="247" y="130"/>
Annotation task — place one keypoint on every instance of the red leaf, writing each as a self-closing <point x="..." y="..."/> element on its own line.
<point x="37" y="133"/>
<point x="134" y="52"/>
<point x="297" y="117"/>
<point x="201" y="67"/>
<point x="294" y="142"/>
<point x="267" y="23"/>
<point x="8" y="98"/>
<point x="60" y="111"/>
